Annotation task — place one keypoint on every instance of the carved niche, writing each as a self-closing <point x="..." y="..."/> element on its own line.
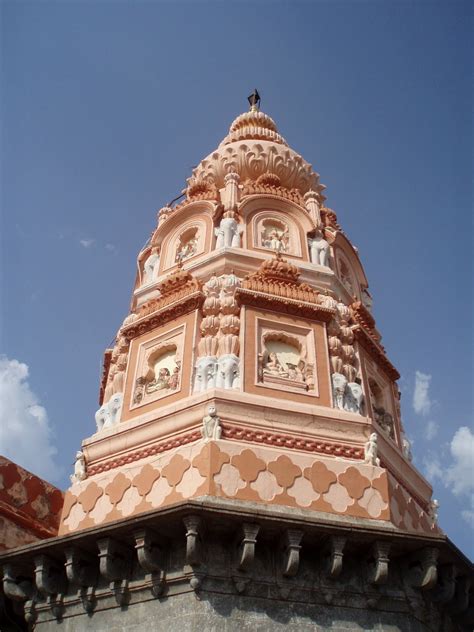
<point x="158" y="370"/>
<point x="379" y="406"/>
<point x="151" y="267"/>
<point x="286" y="358"/>
<point x="345" y="275"/>
<point x="275" y="232"/>
<point x="187" y="244"/>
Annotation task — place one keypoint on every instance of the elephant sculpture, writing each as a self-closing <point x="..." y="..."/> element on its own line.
<point x="228" y="233"/>
<point x="339" y="383"/>
<point x="319" y="250"/>
<point x="228" y="375"/>
<point x="150" y="268"/>
<point x="354" y="398"/>
<point x="205" y="377"/>
<point x="109" y="413"/>
<point x="102" y="417"/>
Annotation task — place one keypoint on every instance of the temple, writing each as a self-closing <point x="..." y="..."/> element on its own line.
<point x="248" y="462"/>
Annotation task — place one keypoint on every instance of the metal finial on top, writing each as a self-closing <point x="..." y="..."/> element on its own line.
<point x="254" y="100"/>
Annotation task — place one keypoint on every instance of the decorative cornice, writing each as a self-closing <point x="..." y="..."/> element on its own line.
<point x="143" y="453"/>
<point x="180" y="293"/>
<point x="275" y="285"/>
<point x="263" y="188"/>
<point x="105" y="374"/>
<point x="238" y="433"/>
<point x="376" y="351"/>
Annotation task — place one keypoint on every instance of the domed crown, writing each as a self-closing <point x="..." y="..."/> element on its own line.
<point x="253" y="125"/>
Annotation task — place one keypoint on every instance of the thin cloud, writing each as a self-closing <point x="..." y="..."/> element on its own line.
<point x="111" y="248"/>
<point x="25" y="431"/>
<point x="421" y="396"/>
<point x="458" y="475"/>
<point x="87" y="243"/>
<point x="431" y="430"/>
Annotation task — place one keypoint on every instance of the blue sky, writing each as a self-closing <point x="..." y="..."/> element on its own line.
<point x="107" y="106"/>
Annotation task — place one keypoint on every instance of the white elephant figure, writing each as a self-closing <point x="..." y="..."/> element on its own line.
<point x="228" y="375"/>
<point x="205" y="377"/>
<point x="109" y="413"/>
<point x="115" y="408"/>
<point x="354" y="398"/>
<point x="228" y="233"/>
<point x="150" y="268"/>
<point x="102" y="417"/>
<point x="339" y="383"/>
<point x="319" y="251"/>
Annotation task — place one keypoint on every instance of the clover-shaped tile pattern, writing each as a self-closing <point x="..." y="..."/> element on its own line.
<point x="233" y="470"/>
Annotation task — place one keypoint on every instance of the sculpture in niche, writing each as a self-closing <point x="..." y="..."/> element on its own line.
<point x="80" y="472"/>
<point x="275" y="235"/>
<point x="370" y="451"/>
<point x="339" y="383"/>
<point x="282" y="362"/>
<point x="163" y="373"/>
<point x="151" y="266"/>
<point x="186" y="245"/>
<point x="228" y="232"/>
<point x="345" y="276"/>
<point x="211" y="425"/>
<point x="381" y="416"/>
<point x="228" y="375"/>
<point x="354" y="398"/>
<point x="206" y="372"/>
<point x="319" y="250"/>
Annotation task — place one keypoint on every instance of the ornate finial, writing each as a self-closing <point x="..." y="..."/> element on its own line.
<point x="254" y="100"/>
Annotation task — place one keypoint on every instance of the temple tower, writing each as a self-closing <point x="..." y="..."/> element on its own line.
<point x="249" y="459"/>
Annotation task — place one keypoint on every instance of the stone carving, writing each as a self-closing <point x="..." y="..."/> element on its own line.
<point x="311" y="201"/>
<point x="385" y="420"/>
<point x="335" y="555"/>
<point x="370" y="451"/>
<point x="206" y="373"/>
<point x="118" y="365"/>
<point x="162" y="372"/>
<point x="218" y="348"/>
<point x="340" y="341"/>
<point x="283" y="361"/>
<point x="186" y="245"/>
<point x="378" y="563"/>
<point x="275" y="236"/>
<point x="109" y="413"/>
<point x="246" y="547"/>
<point x="193" y="526"/>
<point x="354" y="398"/>
<point x="433" y="511"/>
<point x="115" y="563"/>
<point x="211" y="425"/>
<point x="50" y="577"/>
<point x="406" y="448"/>
<point x="319" y="250"/>
<point x="228" y="232"/>
<point x="81" y="567"/>
<point x="151" y="266"/>
<point x="15" y="588"/>
<point x="291" y="552"/>
<point x="228" y="375"/>
<point x="151" y="558"/>
<point x="339" y="383"/>
<point x="346" y="277"/>
<point x="80" y="472"/>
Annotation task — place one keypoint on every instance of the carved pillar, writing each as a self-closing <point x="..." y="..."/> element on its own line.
<point x="228" y="372"/>
<point x="311" y="200"/>
<point x="51" y="582"/>
<point x="82" y="571"/>
<point x="231" y="194"/>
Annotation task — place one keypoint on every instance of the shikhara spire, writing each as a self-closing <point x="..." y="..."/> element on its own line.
<point x="248" y="406"/>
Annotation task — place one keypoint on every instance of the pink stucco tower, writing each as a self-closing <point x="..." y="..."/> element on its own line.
<point x="249" y="441"/>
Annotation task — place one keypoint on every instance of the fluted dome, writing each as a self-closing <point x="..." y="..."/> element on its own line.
<point x="253" y="125"/>
<point x="254" y="148"/>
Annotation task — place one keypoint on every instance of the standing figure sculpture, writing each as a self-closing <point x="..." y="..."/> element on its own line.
<point x="319" y="250"/>
<point x="79" y="468"/>
<point x="150" y="267"/>
<point x="370" y="451"/>
<point x="211" y="425"/>
<point x="339" y="383"/>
